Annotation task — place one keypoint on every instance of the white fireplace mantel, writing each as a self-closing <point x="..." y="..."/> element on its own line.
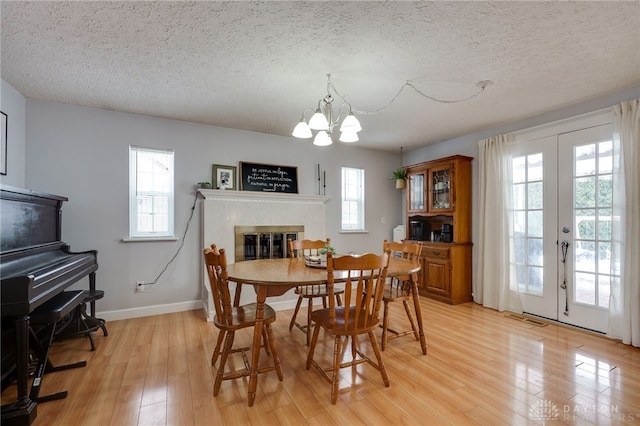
<point x="223" y="210"/>
<point x="254" y="196"/>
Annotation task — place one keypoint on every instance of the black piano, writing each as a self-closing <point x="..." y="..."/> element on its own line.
<point x="35" y="266"/>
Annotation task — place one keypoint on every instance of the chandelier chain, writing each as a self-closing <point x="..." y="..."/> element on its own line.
<point x="482" y="85"/>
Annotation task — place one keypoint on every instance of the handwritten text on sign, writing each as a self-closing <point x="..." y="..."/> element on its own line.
<point x="268" y="178"/>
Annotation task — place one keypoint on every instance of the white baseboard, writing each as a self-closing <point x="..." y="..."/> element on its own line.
<point x="169" y="308"/>
<point x="146" y="311"/>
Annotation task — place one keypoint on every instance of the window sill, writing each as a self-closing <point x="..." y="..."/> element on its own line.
<point x="148" y="239"/>
<point x="353" y="231"/>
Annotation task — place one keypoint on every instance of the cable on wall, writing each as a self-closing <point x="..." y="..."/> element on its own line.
<point x="186" y="229"/>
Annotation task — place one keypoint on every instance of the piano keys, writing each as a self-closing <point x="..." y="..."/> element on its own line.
<point x="35" y="266"/>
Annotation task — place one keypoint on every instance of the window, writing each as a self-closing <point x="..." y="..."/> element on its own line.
<point x="352" y="199"/>
<point x="150" y="193"/>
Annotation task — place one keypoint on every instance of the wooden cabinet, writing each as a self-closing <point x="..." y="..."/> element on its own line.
<point x="439" y="217"/>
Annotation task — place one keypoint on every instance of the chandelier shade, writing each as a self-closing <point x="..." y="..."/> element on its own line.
<point x="318" y="121"/>
<point x="322" y="139"/>
<point x="350" y="124"/>
<point x="302" y="130"/>
<point x="323" y="122"/>
<point x="349" y="137"/>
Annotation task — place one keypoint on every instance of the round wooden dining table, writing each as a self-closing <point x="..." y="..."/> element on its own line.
<point x="274" y="277"/>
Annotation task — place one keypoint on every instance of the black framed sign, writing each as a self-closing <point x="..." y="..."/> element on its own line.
<point x="268" y="178"/>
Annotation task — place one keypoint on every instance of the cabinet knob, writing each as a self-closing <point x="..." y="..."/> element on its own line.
<point x="436" y="252"/>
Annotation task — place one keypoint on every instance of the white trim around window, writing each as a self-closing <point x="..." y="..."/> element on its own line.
<point x="151" y="194"/>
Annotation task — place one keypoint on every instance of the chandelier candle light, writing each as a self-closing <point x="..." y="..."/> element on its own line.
<point x="323" y="122"/>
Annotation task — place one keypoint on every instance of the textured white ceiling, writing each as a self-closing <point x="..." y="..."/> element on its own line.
<point x="257" y="65"/>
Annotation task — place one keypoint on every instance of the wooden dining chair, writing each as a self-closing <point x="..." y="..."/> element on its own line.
<point x="229" y="319"/>
<point x="302" y="248"/>
<point x="365" y="277"/>
<point x="398" y="289"/>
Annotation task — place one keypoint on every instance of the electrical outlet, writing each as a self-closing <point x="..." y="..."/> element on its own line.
<point x="139" y="286"/>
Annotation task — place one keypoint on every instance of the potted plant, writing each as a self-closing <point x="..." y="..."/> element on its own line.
<point x="204" y="185"/>
<point x="400" y="176"/>
<point x="323" y="252"/>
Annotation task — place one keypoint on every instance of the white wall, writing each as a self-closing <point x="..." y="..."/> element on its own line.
<point x="82" y="153"/>
<point x="12" y="103"/>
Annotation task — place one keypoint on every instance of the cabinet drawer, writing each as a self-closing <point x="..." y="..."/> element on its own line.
<point x="435" y="252"/>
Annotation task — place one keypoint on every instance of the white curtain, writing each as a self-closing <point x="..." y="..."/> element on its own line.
<point x="624" y="304"/>
<point x="495" y="284"/>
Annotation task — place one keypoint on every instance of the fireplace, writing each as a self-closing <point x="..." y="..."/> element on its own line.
<point x="224" y="211"/>
<point x="264" y="242"/>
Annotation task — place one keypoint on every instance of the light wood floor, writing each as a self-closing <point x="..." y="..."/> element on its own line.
<point x="481" y="368"/>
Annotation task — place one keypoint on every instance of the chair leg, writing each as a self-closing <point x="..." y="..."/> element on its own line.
<point x="376" y="351"/>
<point x="312" y="346"/>
<point x="295" y="313"/>
<point x="228" y="344"/>
<point x="216" y="351"/>
<point x="272" y="343"/>
<point x="308" y="329"/>
<point x="354" y="349"/>
<point x="265" y="338"/>
<point x="413" y="324"/>
<point x="385" y="326"/>
<point x="336" y="369"/>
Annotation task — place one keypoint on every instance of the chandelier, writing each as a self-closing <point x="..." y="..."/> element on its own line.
<point x="323" y="122"/>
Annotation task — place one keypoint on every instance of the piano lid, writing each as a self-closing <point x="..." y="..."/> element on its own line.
<point x="28" y="218"/>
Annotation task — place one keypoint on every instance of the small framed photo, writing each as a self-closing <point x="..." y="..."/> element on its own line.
<point x="3" y="144"/>
<point x="224" y="177"/>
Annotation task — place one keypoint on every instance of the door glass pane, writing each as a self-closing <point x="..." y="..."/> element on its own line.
<point x="585" y="160"/>
<point x="519" y="196"/>
<point x="535" y="251"/>
<point x="585" y="288"/>
<point x="585" y="194"/>
<point x="535" y="281"/>
<point x="534" y="167"/>
<point x="534" y="225"/>
<point x="605" y="157"/>
<point x="534" y="195"/>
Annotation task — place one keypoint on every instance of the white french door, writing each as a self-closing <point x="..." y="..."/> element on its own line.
<point x="585" y="208"/>
<point x="562" y="195"/>
<point x="535" y="216"/>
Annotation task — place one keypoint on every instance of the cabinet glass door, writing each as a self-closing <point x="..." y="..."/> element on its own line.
<point x="416" y="192"/>
<point x="440" y="189"/>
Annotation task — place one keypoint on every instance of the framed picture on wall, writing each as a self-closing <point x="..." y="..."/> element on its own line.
<point x="3" y="146"/>
<point x="224" y="177"/>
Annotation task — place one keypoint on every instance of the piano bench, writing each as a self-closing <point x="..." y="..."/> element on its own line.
<point x="56" y="308"/>
<point x="43" y="321"/>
